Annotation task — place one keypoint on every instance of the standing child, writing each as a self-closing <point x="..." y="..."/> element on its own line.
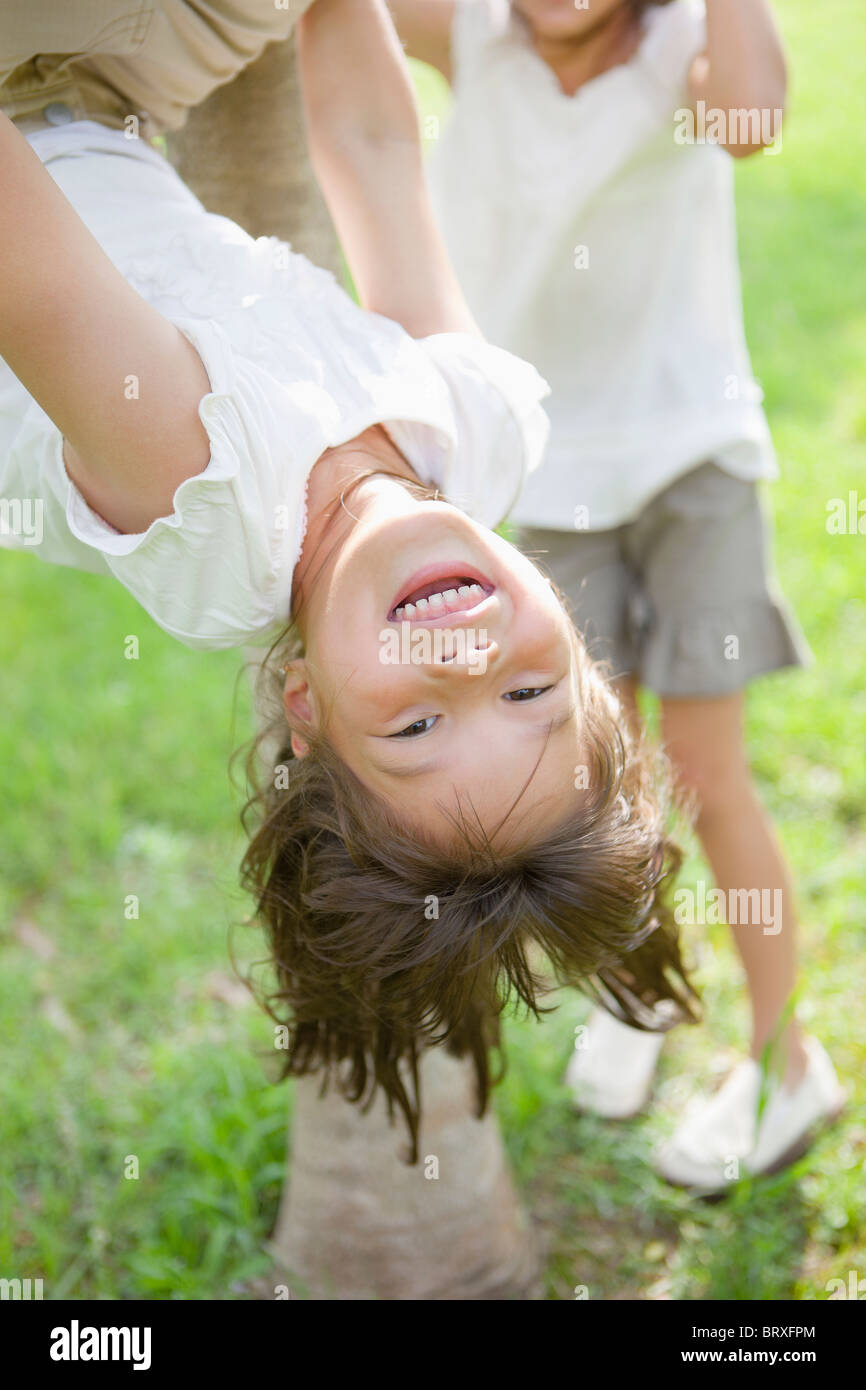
<point x="593" y="232"/>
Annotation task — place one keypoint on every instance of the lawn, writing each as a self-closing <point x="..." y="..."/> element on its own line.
<point x="131" y="1049"/>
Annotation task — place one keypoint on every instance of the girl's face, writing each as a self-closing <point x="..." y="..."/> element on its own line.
<point x="565" y="19"/>
<point x="439" y="664"/>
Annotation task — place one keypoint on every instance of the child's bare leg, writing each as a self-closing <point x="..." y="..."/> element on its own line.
<point x="704" y="738"/>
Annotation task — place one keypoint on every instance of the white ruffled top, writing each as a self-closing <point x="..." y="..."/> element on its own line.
<point x="589" y="239"/>
<point x="295" y="367"/>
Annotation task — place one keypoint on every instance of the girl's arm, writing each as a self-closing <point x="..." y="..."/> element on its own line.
<point x="366" y="150"/>
<point x="742" y="70"/>
<point x="120" y="382"/>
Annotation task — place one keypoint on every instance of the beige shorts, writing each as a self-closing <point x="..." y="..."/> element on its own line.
<point x="107" y="60"/>
<point x="684" y="597"/>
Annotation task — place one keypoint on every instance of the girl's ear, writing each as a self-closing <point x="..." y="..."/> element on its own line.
<point x="299" y="706"/>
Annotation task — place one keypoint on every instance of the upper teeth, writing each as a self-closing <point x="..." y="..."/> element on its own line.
<point x="439" y="602"/>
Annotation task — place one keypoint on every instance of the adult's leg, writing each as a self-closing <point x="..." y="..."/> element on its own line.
<point x="243" y="153"/>
<point x="356" y="1222"/>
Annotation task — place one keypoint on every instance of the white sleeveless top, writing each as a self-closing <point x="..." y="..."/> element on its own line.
<point x="589" y="241"/>
<point x="295" y="367"/>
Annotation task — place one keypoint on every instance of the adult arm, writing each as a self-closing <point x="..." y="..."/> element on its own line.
<point x="366" y="150"/>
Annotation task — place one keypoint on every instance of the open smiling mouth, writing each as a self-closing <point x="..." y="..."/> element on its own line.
<point x="440" y="595"/>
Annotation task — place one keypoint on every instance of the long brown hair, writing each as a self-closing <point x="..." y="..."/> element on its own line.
<point x="381" y="944"/>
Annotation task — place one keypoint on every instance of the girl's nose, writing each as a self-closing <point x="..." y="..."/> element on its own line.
<point x="470" y="656"/>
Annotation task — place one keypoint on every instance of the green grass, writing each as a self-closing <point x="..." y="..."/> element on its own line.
<point x="124" y="1036"/>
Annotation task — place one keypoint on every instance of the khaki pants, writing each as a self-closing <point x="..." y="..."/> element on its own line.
<point x="109" y="60"/>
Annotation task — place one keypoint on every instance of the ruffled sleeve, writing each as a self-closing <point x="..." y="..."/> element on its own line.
<point x="501" y="429"/>
<point x="217" y="571"/>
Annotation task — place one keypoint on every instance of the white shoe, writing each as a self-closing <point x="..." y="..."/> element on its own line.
<point x="611" y="1071"/>
<point x="722" y="1139"/>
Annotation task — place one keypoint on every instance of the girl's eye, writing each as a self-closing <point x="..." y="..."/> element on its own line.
<point x="419" y="726"/>
<point x="528" y="692"/>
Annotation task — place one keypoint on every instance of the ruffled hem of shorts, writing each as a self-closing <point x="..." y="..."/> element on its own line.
<point x="686" y="657"/>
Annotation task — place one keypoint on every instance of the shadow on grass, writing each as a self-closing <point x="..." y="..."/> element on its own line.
<point x="612" y="1229"/>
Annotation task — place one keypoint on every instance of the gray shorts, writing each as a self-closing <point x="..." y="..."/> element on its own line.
<point x="684" y="597"/>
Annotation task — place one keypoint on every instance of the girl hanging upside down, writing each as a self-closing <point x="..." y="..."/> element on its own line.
<point x="213" y="421"/>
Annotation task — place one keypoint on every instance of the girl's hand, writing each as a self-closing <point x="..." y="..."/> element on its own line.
<point x="743" y="70"/>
